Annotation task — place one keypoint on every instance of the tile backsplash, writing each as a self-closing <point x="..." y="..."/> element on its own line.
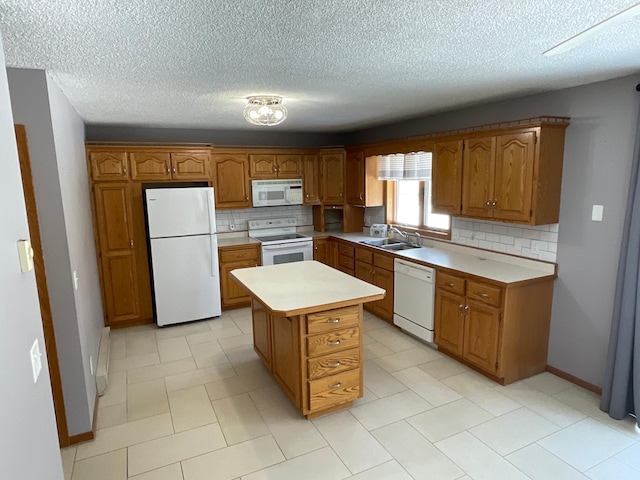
<point x="539" y="242"/>
<point x="236" y="220"/>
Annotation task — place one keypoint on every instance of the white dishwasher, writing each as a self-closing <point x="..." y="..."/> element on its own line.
<point x="413" y="298"/>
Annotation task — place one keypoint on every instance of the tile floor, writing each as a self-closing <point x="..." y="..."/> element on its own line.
<point x="193" y="402"/>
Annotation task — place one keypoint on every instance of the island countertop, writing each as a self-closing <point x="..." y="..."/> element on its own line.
<point x="302" y="287"/>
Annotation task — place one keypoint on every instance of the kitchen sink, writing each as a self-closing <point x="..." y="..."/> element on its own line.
<point x="382" y="242"/>
<point x="398" y="246"/>
<point x="390" y="244"/>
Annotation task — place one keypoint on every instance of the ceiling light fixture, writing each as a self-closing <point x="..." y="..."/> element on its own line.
<point x="265" y="110"/>
<point x="594" y="31"/>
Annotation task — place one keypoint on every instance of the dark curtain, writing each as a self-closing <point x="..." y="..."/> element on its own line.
<point x="621" y="391"/>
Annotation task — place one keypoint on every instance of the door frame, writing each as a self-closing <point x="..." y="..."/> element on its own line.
<point x="41" y="283"/>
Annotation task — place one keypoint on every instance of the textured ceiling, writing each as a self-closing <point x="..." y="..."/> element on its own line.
<point x="340" y="64"/>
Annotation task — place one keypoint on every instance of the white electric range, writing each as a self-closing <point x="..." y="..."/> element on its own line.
<point x="279" y="240"/>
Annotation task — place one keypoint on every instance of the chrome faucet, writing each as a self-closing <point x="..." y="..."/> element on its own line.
<point x="418" y="239"/>
<point x="404" y="235"/>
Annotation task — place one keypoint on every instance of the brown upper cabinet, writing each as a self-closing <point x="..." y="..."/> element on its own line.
<point x="514" y="175"/>
<point x="272" y="165"/>
<point x="447" y="177"/>
<point x="231" y="180"/>
<point x="108" y="166"/>
<point x="332" y="162"/>
<point x="163" y="165"/>
<point x="311" y="180"/>
<point x="363" y="187"/>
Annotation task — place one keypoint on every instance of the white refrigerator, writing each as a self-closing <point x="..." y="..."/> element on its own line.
<point x="184" y="254"/>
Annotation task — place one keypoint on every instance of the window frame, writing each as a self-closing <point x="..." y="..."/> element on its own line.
<point x="424" y="230"/>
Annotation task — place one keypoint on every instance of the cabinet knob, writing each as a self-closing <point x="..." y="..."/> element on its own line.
<point x="483" y="295"/>
<point x="246" y="198"/>
<point x="493" y="204"/>
<point x="131" y="243"/>
<point x="335" y="385"/>
<point x="168" y="170"/>
<point x="488" y="204"/>
<point x="450" y="284"/>
<point x="174" y="169"/>
<point x="124" y="169"/>
<point x="307" y="195"/>
<point x="361" y="195"/>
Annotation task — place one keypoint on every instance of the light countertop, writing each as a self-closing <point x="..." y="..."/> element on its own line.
<point x="303" y="287"/>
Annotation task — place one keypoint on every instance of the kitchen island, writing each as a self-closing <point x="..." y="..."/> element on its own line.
<point x="307" y="329"/>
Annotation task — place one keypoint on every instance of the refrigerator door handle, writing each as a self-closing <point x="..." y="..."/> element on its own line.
<point x="210" y="211"/>
<point x="213" y="254"/>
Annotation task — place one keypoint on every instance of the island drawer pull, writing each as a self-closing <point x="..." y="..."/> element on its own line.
<point x="335" y="385"/>
<point x="483" y="295"/>
<point x="333" y="320"/>
<point x="450" y="284"/>
<point x="333" y="364"/>
<point x="337" y="342"/>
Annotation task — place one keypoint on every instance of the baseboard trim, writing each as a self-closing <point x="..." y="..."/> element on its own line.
<point x="573" y="379"/>
<point x="86" y="436"/>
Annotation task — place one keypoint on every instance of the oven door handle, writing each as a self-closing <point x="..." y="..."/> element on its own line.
<point x="287" y="245"/>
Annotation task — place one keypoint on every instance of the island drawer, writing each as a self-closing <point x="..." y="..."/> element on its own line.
<point x="334" y="389"/>
<point x="332" y="319"/>
<point x="484" y="292"/>
<point x="450" y="282"/>
<point x="333" y="364"/>
<point x="331" y="342"/>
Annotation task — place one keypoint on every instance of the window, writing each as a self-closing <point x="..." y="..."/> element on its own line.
<point x="410" y="206"/>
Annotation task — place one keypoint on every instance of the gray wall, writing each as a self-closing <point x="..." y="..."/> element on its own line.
<point x="29" y="440"/>
<point x="260" y="137"/>
<point x="55" y="135"/>
<point x="597" y="161"/>
<point x="68" y="135"/>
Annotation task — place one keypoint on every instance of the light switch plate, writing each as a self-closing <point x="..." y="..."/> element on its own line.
<point x="25" y="254"/>
<point x="36" y="360"/>
<point x="597" y="213"/>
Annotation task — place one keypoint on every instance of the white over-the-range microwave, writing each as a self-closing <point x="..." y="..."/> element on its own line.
<point x="267" y="193"/>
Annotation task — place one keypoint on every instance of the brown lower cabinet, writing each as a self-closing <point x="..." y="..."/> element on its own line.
<point x="376" y="268"/>
<point x="230" y="258"/>
<point x="500" y="330"/>
<point x="316" y="358"/>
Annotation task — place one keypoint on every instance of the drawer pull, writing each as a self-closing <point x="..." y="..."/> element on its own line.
<point x="337" y="342"/>
<point x="333" y="364"/>
<point x="335" y="385"/>
<point x="483" y="295"/>
<point x="451" y="284"/>
<point x="333" y="320"/>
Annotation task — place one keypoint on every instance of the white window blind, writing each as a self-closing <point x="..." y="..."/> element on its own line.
<point x="400" y="166"/>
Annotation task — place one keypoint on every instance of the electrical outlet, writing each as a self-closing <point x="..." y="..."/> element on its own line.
<point x="232" y="226"/>
<point x="91" y="363"/>
<point x="535" y="247"/>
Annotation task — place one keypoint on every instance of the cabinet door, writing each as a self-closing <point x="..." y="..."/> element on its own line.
<point x="514" y="176"/>
<point x="355" y="178"/>
<point x="478" y="178"/>
<point x="333" y="177"/>
<point x="447" y="177"/>
<point x="231" y="293"/>
<point x="190" y="166"/>
<point x="311" y="180"/>
<point x="150" y="165"/>
<point x="321" y="250"/>
<point x="289" y="166"/>
<point x="117" y="257"/>
<point x="383" y="308"/>
<point x="481" y="335"/>
<point x="261" y="321"/>
<point x="263" y="166"/>
<point x="108" y="166"/>
<point x="449" y="322"/>
<point x="286" y="356"/>
<point x="231" y="180"/>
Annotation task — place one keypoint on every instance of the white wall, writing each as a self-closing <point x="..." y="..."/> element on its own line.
<point x="29" y="440"/>
<point x="56" y="145"/>
<point x="597" y="161"/>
